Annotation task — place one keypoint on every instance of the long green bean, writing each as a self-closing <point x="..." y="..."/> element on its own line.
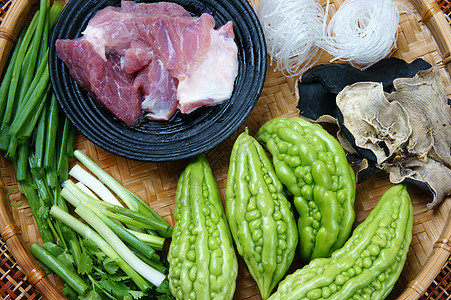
<point x="63" y="158"/>
<point x="30" y="116"/>
<point x="71" y="141"/>
<point x="22" y="161"/>
<point x="35" y="85"/>
<point x="14" y="84"/>
<point x="34" y="118"/>
<point x="44" y="43"/>
<point x="126" y="236"/>
<point x="35" y="203"/>
<point x="69" y="277"/>
<point x="50" y="146"/>
<point x="31" y="121"/>
<point x="12" y="147"/>
<point x="55" y="11"/>
<point x="38" y="87"/>
<point x="11" y="103"/>
<point x="29" y="64"/>
<point x="51" y="174"/>
<point x="41" y="186"/>
<point x="40" y="139"/>
<point x="6" y="102"/>
<point x="4" y="87"/>
<point x="4" y="137"/>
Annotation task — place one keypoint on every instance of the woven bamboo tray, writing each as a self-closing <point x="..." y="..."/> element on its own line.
<point x="424" y="32"/>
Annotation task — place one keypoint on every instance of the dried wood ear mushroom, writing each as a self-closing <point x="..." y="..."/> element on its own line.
<point x="375" y="123"/>
<point x="317" y="88"/>
<point x="406" y="133"/>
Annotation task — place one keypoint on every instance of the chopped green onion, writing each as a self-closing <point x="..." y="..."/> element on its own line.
<point x="70" y="277"/>
<point x="88" y="233"/>
<point x="132" y="201"/>
<point x="154" y="241"/>
<point x="146" y="271"/>
<point x="86" y="190"/>
<point x="94" y="184"/>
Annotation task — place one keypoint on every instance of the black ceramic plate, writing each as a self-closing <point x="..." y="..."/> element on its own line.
<point x="184" y="135"/>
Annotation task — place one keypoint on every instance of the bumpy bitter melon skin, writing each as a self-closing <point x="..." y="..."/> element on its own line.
<point x="370" y="262"/>
<point x="260" y="217"/>
<point x="313" y="166"/>
<point x="202" y="260"/>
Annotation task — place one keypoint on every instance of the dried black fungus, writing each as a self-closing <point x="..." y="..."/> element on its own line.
<point x="405" y="133"/>
<point x="318" y="87"/>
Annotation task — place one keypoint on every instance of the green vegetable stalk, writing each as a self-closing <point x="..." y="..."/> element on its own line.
<point x="132" y="201"/>
<point x="370" y="262"/>
<point x="6" y="82"/>
<point x="260" y="217"/>
<point x="313" y="167"/>
<point x="202" y="261"/>
<point x="70" y="277"/>
<point x="88" y="233"/>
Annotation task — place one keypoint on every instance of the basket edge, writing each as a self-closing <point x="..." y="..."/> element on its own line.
<point x="440" y="29"/>
<point x="10" y="234"/>
<point x="13" y="22"/>
<point x="438" y="24"/>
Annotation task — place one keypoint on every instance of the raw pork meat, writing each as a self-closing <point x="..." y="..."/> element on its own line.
<point x="104" y="79"/>
<point x="115" y="28"/>
<point x="137" y="57"/>
<point x="159" y="91"/>
<point x="176" y="60"/>
<point x="204" y="85"/>
<point x="179" y="40"/>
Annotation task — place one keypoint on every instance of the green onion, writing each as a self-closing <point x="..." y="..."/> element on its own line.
<point x="69" y="277"/>
<point x="38" y="88"/>
<point x="146" y="271"/>
<point x="4" y="87"/>
<point x="154" y="241"/>
<point x="17" y="70"/>
<point x="131" y="200"/>
<point x="151" y="224"/>
<point x="22" y="161"/>
<point x="62" y="167"/>
<point x="76" y="196"/>
<point x="126" y="236"/>
<point x="35" y="203"/>
<point x="40" y="139"/>
<point x="109" y="181"/>
<point x="29" y="64"/>
<point x="50" y="146"/>
<point x="55" y="11"/>
<point x="94" y="184"/>
<point x="89" y="209"/>
<point x="88" y="233"/>
<point x="86" y="190"/>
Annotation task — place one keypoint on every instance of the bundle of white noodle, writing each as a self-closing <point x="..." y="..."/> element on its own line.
<point x="291" y="29"/>
<point x="362" y="32"/>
